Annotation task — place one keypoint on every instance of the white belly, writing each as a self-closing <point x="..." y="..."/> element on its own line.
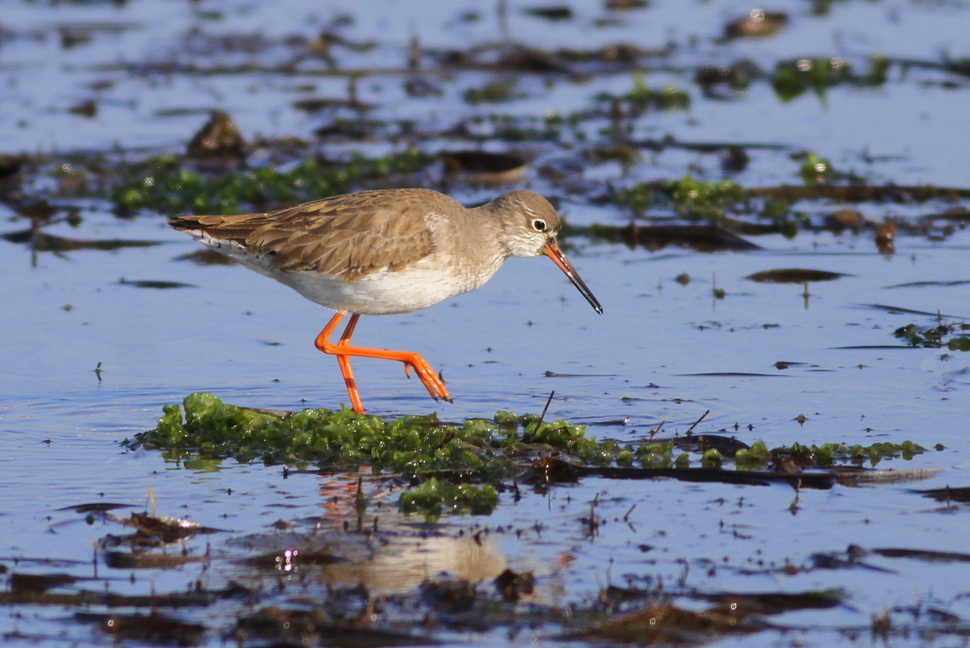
<point x="381" y="292"/>
<point x="422" y="284"/>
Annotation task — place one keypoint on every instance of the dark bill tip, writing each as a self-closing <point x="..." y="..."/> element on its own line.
<point x="553" y="252"/>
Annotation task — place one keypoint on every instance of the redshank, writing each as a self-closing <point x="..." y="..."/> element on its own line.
<point x="383" y="252"/>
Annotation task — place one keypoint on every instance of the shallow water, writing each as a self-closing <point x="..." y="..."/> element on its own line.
<point x="662" y="351"/>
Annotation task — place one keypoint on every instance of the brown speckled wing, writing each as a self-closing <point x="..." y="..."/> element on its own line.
<point x="347" y="236"/>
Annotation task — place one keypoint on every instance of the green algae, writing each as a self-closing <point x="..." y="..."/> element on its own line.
<point x="815" y="169"/>
<point x="688" y="196"/>
<point x="434" y="497"/>
<point x="163" y="184"/>
<point x="712" y="458"/>
<point x="943" y="334"/>
<point x="656" y="455"/>
<point x="642" y="97"/>
<point x="960" y="343"/>
<point x="210" y="429"/>
<point x="496" y="91"/>
<point x="793" y="78"/>
<point x="757" y="456"/>
<point x="454" y="467"/>
<point x="207" y="431"/>
<point x="831" y="454"/>
<point x="516" y="128"/>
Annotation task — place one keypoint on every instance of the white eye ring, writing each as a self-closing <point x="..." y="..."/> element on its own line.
<point x="539" y="225"/>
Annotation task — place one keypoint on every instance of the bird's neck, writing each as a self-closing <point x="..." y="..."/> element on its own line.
<point x="481" y="240"/>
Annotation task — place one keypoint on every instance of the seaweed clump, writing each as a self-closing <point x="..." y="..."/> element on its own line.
<point x="164" y="185"/>
<point x="446" y="458"/>
<point x="456" y="468"/>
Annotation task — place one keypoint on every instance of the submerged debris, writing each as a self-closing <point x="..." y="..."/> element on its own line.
<point x="40" y="241"/>
<point x="219" y="140"/>
<point x="285" y="627"/>
<point x="155" y="284"/>
<point x="663" y="623"/>
<point x="704" y="238"/>
<point x="948" y="494"/>
<point x="758" y="23"/>
<point x="479" y="167"/>
<point x="22" y="583"/>
<point x="154" y="628"/>
<point x="794" y="275"/>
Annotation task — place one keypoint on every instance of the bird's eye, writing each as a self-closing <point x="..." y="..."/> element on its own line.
<point x="539" y="225"/>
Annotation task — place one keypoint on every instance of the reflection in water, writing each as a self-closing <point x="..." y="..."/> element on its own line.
<point x="400" y="567"/>
<point x="400" y="561"/>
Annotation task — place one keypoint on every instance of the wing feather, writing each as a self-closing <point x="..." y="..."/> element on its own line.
<point x="348" y="236"/>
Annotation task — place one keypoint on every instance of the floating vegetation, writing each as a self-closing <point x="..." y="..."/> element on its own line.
<point x="434" y="497"/>
<point x="356" y="128"/>
<point x="493" y="92"/>
<point x="950" y="335"/>
<point x="793" y="78"/>
<point x="210" y="429"/>
<point x="816" y="170"/>
<point x="308" y="563"/>
<point x="524" y="129"/>
<point x="446" y="460"/>
<point x="643" y="97"/>
<point x="479" y="449"/>
<point x="830" y="454"/>
<point x="171" y="184"/>
<point x="164" y="185"/>
<point x="726" y="82"/>
<point x="735" y="209"/>
<point x="700" y="199"/>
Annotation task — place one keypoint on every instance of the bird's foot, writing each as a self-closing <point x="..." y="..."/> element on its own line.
<point x="431" y="380"/>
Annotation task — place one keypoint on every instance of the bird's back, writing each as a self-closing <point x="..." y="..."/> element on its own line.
<point x="346" y="237"/>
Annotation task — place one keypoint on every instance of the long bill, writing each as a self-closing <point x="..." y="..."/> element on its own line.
<point x="553" y="251"/>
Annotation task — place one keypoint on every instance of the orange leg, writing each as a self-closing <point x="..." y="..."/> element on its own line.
<point x="343" y="351"/>
<point x="344" y="362"/>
